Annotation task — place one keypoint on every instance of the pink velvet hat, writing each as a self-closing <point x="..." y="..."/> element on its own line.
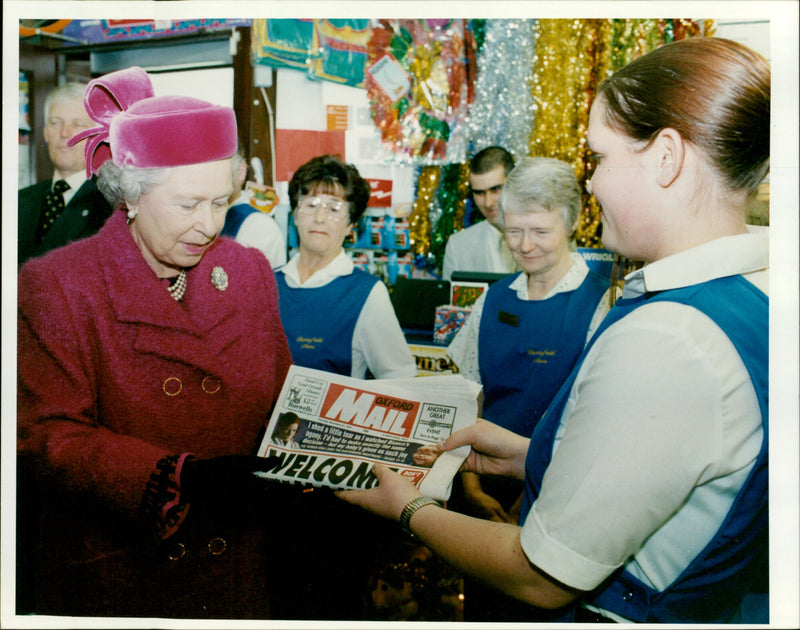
<point x="146" y="131"/>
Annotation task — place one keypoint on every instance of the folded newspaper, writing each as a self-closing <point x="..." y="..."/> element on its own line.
<point x="329" y="430"/>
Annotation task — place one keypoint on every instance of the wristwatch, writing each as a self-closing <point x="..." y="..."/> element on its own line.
<point x="409" y="510"/>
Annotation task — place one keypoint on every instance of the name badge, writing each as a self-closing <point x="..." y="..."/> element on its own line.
<point x="508" y="318"/>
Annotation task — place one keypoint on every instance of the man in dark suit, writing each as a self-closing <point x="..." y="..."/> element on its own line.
<point x="51" y="213"/>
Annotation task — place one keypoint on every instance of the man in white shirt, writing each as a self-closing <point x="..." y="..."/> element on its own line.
<point x="69" y="206"/>
<point x="482" y="247"/>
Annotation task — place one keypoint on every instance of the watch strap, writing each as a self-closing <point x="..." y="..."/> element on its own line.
<point x="410" y="509"/>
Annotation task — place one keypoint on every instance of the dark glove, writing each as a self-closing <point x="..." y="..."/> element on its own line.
<point x="231" y="479"/>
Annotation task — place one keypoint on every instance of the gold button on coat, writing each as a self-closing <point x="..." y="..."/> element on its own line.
<point x="211" y="384"/>
<point x="172" y="386"/>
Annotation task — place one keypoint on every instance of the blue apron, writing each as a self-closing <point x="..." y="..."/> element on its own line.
<point x="319" y="322"/>
<point x="526" y="348"/>
<point x="711" y="587"/>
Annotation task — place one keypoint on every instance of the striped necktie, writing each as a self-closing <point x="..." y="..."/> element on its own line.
<point x="53" y="207"/>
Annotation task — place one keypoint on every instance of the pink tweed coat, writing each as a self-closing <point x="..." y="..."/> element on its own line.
<point x="114" y="374"/>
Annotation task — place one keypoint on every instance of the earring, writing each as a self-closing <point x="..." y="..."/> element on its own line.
<point x="131" y="215"/>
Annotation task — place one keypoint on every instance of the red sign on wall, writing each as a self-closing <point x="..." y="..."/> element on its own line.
<point x="380" y="195"/>
<point x="295" y="147"/>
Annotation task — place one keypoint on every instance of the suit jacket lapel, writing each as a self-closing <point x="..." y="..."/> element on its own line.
<point x="31" y="202"/>
<point x="77" y="215"/>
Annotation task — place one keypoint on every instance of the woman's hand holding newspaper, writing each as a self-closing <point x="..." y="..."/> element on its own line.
<point x="388" y="499"/>
<point x="495" y="451"/>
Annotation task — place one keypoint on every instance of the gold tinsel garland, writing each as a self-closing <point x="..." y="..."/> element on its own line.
<point x="463" y="193"/>
<point x="568" y="55"/>
<point x="586" y="234"/>
<point x="554" y="88"/>
<point x="419" y="220"/>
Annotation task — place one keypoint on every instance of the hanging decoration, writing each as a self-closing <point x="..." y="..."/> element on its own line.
<point x="503" y="111"/>
<point x="587" y="233"/>
<point x="451" y="199"/>
<point x="563" y="90"/>
<point x="419" y="219"/>
<point x="474" y="35"/>
<point x="440" y="87"/>
<point x="478" y="30"/>
<point x="632" y="38"/>
<point x="417" y="86"/>
<point x="341" y="47"/>
<point x="94" y="31"/>
<point x="283" y="43"/>
<point x="693" y="28"/>
<point x="562" y="87"/>
<point x="329" y="50"/>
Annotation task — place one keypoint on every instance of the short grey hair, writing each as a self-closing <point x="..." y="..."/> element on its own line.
<point x="72" y="91"/>
<point x="124" y="185"/>
<point x="538" y="183"/>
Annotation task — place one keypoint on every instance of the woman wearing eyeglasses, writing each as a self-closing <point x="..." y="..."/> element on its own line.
<point x="337" y="318"/>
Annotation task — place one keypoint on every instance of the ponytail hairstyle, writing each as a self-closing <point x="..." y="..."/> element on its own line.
<point x="714" y="92"/>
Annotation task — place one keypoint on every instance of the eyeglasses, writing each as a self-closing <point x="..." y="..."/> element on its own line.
<point x="335" y="209"/>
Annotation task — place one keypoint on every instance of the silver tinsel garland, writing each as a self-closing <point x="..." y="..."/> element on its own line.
<point x="503" y="110"/>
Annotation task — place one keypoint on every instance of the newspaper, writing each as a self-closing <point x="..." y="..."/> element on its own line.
<point x="329" y="430"/>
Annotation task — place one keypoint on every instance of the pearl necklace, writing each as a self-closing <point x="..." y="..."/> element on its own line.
<point x="178" y="288"/>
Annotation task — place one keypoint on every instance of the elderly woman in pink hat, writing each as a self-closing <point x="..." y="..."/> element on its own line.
<point x="149" y="357"/>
